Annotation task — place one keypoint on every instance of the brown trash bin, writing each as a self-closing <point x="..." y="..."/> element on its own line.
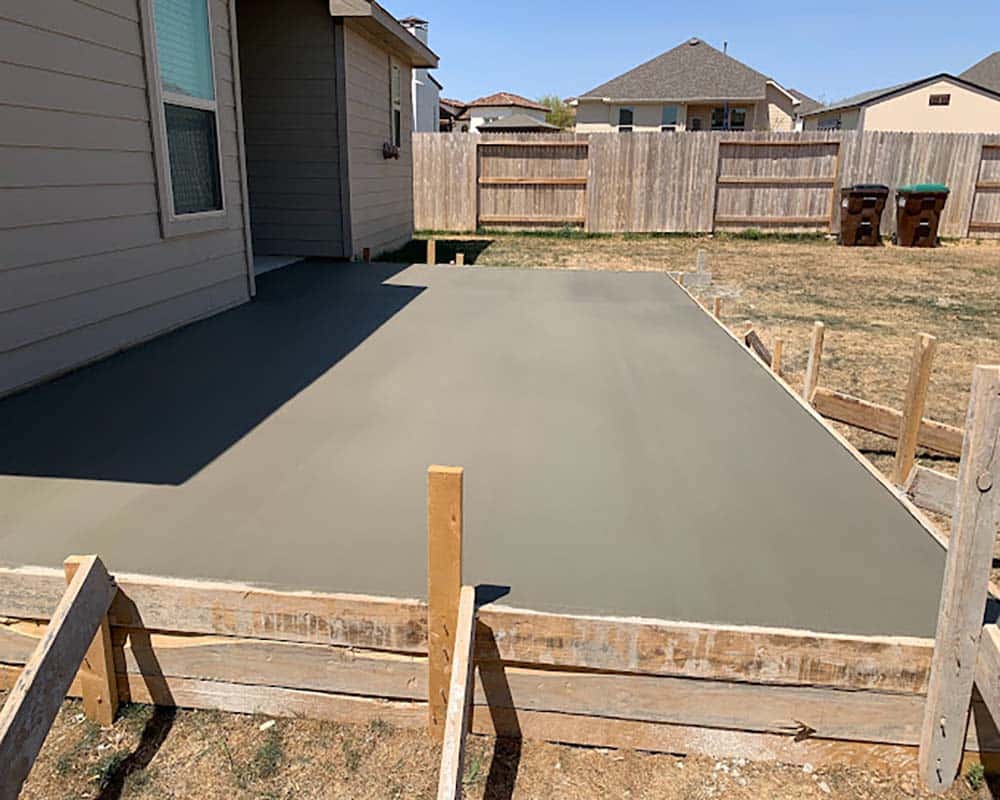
<point x="861" y="209"/>
<point x="918" y="214"/>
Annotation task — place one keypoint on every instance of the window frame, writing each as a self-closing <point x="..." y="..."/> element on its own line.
<point x="622" y="127"/>
<point x="669" y="127"/>
<point x="395" y="103"/>
<point x="939" y="99"/>
<point x="171" y="223"/>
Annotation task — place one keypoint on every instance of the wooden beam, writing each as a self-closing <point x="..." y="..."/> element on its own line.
<point x="811" y="380"/>
<point x="913" y="407"/>
<point x="987" y="678"/>
<point x="444" y="583"/>
<point x="934" y="435"/>
<point x="539" y="181"/>
<point x="776" y="220"/>
<point x="984" y="225"/>
<point x="431" y="251"/>
<point x="717" y="308"/>
<point x="771" y="143"/>
<point x="776" y="180"/>
<point x="41" y="686"/>
<point x="530" y="219"/>
<point x="931" y="490"/>
<point x="756" y="344"/>
<point x="778" y="356"/>
<point x="97" y="672"/>
<point x="966" y="580"/>
<point x="494" y="143"/>
<point x="459" y="708"/>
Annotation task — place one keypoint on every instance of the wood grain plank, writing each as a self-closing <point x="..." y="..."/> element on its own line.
<point x="931" y="490"/>
<point x="458" y="713"/>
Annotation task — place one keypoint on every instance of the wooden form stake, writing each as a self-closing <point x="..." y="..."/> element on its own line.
<point x="963" y="596"/>
<point x="431" y="251"/>
<point x="97" y="672"/>
<point x="913" y="407"/>
<point x="41" y="687"/>
<point x="717" y="308"/>
<point x="460" y="259"/>
<point x="459" y="697"/>
<point x="444" y="582"/>
<point x="366" y="254"/>
<point x="777" y="356"/>
<point x="812" y="366"/>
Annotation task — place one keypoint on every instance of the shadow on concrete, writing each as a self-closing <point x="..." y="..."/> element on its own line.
<point x="160" y="412"/>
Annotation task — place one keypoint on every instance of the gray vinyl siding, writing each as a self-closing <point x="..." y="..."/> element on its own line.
<point x="288" y="75"/>
<point x="84" y="269"/>
<point x="381" y="189"/>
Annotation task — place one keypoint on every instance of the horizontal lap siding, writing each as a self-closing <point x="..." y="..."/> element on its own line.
<point x="288" y="76"/>
<point x="84" y="270"/>
<point x="381" y="189"/>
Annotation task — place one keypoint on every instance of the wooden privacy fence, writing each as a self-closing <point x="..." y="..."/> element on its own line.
<point x="694" y="182"/>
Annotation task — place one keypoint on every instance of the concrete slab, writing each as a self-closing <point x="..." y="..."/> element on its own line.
<point x="622" y="454"/>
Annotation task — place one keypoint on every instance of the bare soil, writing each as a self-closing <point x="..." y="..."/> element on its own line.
<point x="873" y="301"/>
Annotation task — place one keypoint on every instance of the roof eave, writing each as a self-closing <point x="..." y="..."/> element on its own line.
<point x="688" y="100"/>
<point x="385" y="27"/>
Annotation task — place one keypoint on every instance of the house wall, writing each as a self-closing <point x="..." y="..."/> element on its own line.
<point x="850" y="120"/>
<point x="970" y="111"/>
<point x="288" y="67"/>
<point x="84" y="269"/>
<point x="426" y="102"/>
<point x="780" y="113"/>
<point x="481" y="114"/>
<point x="381" y="189"/>
<point x="593" y="116"/>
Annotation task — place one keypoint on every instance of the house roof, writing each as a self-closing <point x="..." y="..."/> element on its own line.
<point x="985" y="73"/>
<point x="506" y="99"/>
<point x="693" y="70"/>
<point x="865" y="98"/>
<point x="388" y="30"/>
<point x="806" y="103"/>
<point x="517" y="122"/>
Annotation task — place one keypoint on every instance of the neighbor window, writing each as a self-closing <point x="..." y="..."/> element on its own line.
<point x="668" y="120"/>
<point x="397" y="104"/>
<point x="695" y="124"/>
<point x="625" y="117"/>
<point x="183" y="32"/>
<point x="737" y="119"/>
<point x="829" y="124"/>
<point x="940" y="99"/>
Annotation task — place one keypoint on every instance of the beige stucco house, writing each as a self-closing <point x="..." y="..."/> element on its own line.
<point x="939" y="104"/>
<point x="495" y="107"/>
<point x="152" y="150"/>
<point x="691" y="87"/>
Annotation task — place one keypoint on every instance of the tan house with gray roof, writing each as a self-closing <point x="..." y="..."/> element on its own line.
<point x="691" y="87"/>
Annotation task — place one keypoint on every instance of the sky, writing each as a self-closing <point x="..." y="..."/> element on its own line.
<point x="827" y="50"/>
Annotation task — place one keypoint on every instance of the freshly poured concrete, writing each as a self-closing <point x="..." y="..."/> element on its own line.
<point x="623" y="455"/>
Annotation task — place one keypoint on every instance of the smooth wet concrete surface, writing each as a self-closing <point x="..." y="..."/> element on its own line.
<point x="623" y="455"/>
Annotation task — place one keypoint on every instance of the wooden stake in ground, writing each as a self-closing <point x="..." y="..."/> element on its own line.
<point x="444" y="582"/>
<point x="913" y="407"/>
<point x="966" y="578"/>
<point x="700" y="261"/>
<point x="777" y="355"/>
<point x="812" y="366"/>
<point x="717" y="308"/>
<point x="366" y="254"/>
<point x="458" y="715"/>
<point x="431" y="251"/>
<point x="459" y="259"/>
<point x="97" y="672"/>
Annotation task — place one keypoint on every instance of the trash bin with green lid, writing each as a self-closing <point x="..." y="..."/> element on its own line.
<point x="861" y="207"/>
<point x="918" y="214"/>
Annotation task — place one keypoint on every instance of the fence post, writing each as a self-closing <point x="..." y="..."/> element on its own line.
<point x="444" y="584"/>
<point x="812" y="366"/>
<point x="913" y="407"/>
<point x="431" y="251"/>
<point x="97" y="672"/>
<point x="966" y="580"/>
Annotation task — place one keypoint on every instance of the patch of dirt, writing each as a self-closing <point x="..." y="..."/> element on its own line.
<point x="153" y="754"/>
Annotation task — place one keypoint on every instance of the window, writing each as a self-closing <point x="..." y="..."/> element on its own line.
<point x="828" y="124"/>
<point x="695" y="124"/>
<point x="396" y="104"/>
<point x="668" y="119"/>
<point x="625" y="117"/>
<point x="737" y="119"/>
<point x="940" y="99"/>
<point x="187" y="107"/>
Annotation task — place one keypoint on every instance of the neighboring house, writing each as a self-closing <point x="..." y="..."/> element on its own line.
<point x="137" y="173"/>
<point x="804" y="106"/>
<point x="692" y="87"/>
<point x="496" y="106"/>
<point x="985" y="73"/>
<point x="426" y="91"/>
<point x="517" y="123"/>
<point x="448" y="112"/>
<point x="938" y="104"/>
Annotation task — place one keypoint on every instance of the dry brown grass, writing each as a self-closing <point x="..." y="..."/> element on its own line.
<point x="153" y="755"/>
<point x="873" y="301"/>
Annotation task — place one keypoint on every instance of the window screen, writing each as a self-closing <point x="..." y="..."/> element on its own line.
<point x="184" y="55"/>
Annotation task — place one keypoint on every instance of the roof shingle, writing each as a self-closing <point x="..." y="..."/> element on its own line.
<point x="985" y="73"/>
<point x="506" y="99"/>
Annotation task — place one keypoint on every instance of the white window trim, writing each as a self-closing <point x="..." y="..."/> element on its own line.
<point x="172" y="224"/>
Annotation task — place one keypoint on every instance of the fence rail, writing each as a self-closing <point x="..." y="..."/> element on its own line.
<point x="695" y="182"/>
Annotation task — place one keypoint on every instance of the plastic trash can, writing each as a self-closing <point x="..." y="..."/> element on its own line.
<point x="918" y="214"/>
<point x="861" y="208"/>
